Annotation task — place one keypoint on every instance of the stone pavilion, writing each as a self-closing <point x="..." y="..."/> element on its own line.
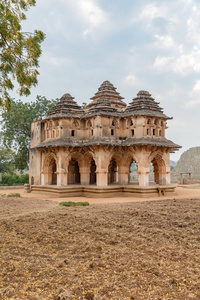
<point x="89" y="151"/>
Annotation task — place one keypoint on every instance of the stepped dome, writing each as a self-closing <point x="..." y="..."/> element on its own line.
<point x="106" y="99"/>
<point x="144" y="104"/>
<point x="65" y="107"/>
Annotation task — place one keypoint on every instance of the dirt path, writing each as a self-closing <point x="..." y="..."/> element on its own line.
<point x="182" y="192"/>
<point x="141" y="249"/>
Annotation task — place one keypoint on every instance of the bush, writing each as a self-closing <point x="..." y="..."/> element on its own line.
<point x="14" y="195"/>
<point x="70" y="203"/>
<point x="15" y="179"/>
<point x="11" y="195"/>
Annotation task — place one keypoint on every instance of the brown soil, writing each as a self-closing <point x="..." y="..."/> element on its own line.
<point x="136" y="250"/>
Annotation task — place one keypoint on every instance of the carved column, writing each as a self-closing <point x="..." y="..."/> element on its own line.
<point x="123" y="173"/>
<point x="143" y="177"/>
<point x="61" y="177"/>
<point x="102" y="158"/>
<point x="102" y="177"/>
<point x="85" y="174"/>
<point x="62" y="168"/>
<point x="166" y="178"/>
<point x="143" y="164"/>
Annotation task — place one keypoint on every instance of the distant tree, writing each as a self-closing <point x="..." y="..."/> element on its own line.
<point x="84" y="105"/>
<point x="16" y="126"/>
<point x="19" y="51"/>
<point x="7" y="160"/>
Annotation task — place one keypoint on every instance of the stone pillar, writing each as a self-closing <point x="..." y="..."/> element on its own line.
<point x="123" y="174"/>
<point x="45" y="178"/>
<point x="102" y="158"/>
<point x="62" y="169"/>
<point x="102" y="177"/>
<point x="85" y="175"/>
<point x="61" y="177"/>
<point x="143" y="178"/>
<point x="143" y="164"/>
<point x="168" y="178"/>
<point x="42" y="178"/>
<point x="162" y="178"/>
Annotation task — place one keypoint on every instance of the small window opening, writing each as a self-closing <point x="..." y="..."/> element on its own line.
<point x="148" y="121"/>
<point x="112" y="131"/>
<point x="131" y="123"/>
<point x="72" y="133"/>
<point x="160" y="133"/>
<point x="113" y="123"/>
<point x="132" y="131"/>
<point x="154" y="132"/>
<point x="147" y="131"/>
<point x="156" y="122"/>
<point x="92" y="131"/>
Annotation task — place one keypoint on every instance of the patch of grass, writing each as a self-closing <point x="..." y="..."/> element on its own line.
<point x="70" y="203"/>
<point x="14" y="195"/>
<point x="10" y="195"/>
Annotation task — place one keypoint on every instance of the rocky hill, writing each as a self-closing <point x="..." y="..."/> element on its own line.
<point x="188" y="162"/>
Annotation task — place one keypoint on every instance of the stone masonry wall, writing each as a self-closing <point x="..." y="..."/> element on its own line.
<point x="188" y="162"/>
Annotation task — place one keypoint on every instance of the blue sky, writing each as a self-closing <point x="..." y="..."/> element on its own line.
<point x="149" y="45"/>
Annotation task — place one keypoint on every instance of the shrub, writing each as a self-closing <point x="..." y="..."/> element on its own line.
<point x="15" y="179"/>
<point x="13" y="195"/>
<point x="70" y="203"/>
<point x="10" y="195"/>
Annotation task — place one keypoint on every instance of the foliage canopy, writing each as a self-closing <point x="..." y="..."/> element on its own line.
<point x="16" y="126"/>
<point x="19" y="51"/>
<point x="7" y="161"/>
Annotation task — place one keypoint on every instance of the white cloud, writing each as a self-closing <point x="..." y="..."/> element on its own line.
<point x="196" y="87"/>
<point x="192" y="103"/>
<point x="165" y="41"/>
<point x="163" y="63"/>
<point x="182" y="64"/>
<point x="132" y="80"/>
<point x="56" y="61"/>
<point x="188" y="62"/>
<point x="151" y="11"/>
<point x="93" y="17"/>
<point x="194" y="96"/>
<point x="193" y="26"/>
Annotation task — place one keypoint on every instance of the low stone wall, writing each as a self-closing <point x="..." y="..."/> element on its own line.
<point x="101" y="192"/>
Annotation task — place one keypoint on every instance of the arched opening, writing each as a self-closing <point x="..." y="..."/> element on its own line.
<point x="158" y="171"/>
<point x="52" y="172"/>
<point x="112" y="172"/>
<point x="152" y="173"/>
<point x="73" y="172"/>
<point x="93" y="172"/>
<point x="133" y="173"/>
<point x="49" y="174"/>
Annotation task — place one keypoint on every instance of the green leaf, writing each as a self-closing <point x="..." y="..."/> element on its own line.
<point x="19" y="52"/>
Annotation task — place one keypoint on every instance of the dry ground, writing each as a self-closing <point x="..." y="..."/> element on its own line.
<point x="139" y="250"/>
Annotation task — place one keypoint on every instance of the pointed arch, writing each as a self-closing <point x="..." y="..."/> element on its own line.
<point x="50" y="169"/>
<point x="159" y="167"/>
